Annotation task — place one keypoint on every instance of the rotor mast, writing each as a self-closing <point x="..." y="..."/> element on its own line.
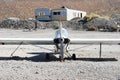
<point x="61" y="43"/>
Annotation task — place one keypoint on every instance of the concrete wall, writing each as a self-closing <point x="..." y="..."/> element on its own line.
<point x="74" y="13"/>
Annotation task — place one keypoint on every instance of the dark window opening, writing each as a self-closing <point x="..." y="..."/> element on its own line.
<point x="81" y="15"/>
<point x="56" y="13"/>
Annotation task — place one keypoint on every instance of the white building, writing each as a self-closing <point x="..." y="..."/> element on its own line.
<point x="65" y="14"/>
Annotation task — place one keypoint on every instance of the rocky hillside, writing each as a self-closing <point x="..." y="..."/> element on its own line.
<point x="25" y="8"/>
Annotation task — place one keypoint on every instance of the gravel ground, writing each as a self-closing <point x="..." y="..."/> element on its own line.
<point x="87" y="66"/>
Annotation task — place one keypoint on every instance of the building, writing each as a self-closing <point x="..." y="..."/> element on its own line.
<point x="43" y="14"/>
<point x="65" y="14"/>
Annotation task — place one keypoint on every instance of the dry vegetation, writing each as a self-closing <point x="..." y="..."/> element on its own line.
<point x="25" y="8"/>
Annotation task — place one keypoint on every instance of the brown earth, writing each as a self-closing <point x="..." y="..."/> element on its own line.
<point x="25" y="8"/>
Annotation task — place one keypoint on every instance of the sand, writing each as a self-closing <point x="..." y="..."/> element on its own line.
<point x="32" y="65"/>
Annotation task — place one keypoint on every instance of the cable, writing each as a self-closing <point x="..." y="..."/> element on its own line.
<point x="43" y="48"/>
<point x="39" y="47"/>
<point x="80" y="47"/>
<point x="16" y="49"/>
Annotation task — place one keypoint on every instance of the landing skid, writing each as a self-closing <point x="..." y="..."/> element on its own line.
<point x="67" y="54"/>
<point x="47" y="56"/>
<point x="73" y="56"/>
<point x="62" y="59"/>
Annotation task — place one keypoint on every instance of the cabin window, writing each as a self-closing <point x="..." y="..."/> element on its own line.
<point x="81" y="15"/>
<point x="41" y="13"/>
<point x="56" y="13"/>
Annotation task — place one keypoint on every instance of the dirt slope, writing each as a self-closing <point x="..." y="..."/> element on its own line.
<point x="25" y="8"/>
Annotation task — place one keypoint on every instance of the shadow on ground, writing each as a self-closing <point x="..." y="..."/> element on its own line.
<point x="97" y="59"/>
<point x="41" y="57"/>
<point x="38" y="57"/>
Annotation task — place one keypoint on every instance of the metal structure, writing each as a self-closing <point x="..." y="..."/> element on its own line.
<point x="49" y="41"/>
